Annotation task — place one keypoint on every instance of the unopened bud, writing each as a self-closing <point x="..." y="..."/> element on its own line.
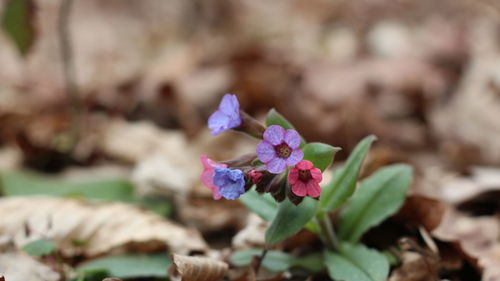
<point x="296" y="200"/>
<point x="255" y="176"/>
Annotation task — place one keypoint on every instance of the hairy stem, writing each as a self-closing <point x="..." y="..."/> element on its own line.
<point x="326" y="230"/>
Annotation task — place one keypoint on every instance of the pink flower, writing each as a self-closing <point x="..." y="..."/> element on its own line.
<point x="305" y="179"/>
<point x="207" y="175"/>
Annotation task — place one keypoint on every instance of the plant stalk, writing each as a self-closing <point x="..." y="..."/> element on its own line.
<point x="69" y="72"/>
<point x="259" y="261"/>
<point x="327" y="231"/>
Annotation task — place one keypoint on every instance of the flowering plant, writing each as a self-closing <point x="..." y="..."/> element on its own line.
<point x="281" y="182"/>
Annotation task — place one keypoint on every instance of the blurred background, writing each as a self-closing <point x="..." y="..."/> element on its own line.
<point x="108" y="101"/>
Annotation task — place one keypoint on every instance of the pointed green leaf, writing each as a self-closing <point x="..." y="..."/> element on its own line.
<point x="356" y="263"/>
<point x="17" y="21"/>
<point x="344" y="181"/>
<point x="380" y="196"/>
<point x="130" y="266"/>
<point x="290" y="219"/>
<point x="263" y="205"/>
<point x="320" y="154"/>
<point x="40" y="247"/>
<point x="274" y="118"/>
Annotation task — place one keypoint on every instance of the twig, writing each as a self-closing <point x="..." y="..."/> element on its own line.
<point x="69" y="72"/>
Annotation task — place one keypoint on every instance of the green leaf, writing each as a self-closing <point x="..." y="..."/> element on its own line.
<point x="320" y="154"/>
<point x="24" y="183"/>
<point x="160" y="205"/>
<point x="40" y="247"/>
<point x="130" y="266"/>
<point x="263" y="205"/>
<point x="344" y="181"/>
<point x="274" y="118"/>
<point x="277" y="261"/>
<point x="290" y="219"/>
<point x="17" y="21"/>
<point x="274" y="261"/>
<point x="380" y="196"/>
<point x="91" y="275"/>
<point x="356" y="263"/>
<point x="312" y="262"/>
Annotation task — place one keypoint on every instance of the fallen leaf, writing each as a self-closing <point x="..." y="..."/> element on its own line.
<point x="164" y="162"/>
<point x="455" y="189"/>
<point x="477" y="238"/>
<point x="187" y="268"/>
<point x="101" y="227"/>
<point x="252" y="235"/>
<point x="414" y="267"/>
<point x="19" y="266"/>
<point x="422" y="210"/>
<point x="466" y="122"/>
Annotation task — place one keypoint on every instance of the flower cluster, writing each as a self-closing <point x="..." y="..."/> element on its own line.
<point x="277" y="166"/>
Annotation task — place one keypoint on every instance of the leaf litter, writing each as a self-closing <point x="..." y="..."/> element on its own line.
<point x="422" y="76"/>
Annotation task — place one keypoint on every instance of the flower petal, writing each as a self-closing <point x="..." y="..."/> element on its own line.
<point x="218" y="122"/>
<point x="265" y="151"/>
<point x="231" y="183"/>
<point x="313" y="189"/>
<point x="216" y="194"/>
<point x="294" y="157"/>
<point x="292" y="138"/>
<point x="276" y="165"/>
<point x="274" y="134"/>
<point x="299" y="189"/>
<point x="316" y="175"/>
<point x="207" y="175"/>
<point x="293" y="175"/>
<point x="229" y="105"/>
<point x="220" y="177"/>
<point x="305" y="165"/>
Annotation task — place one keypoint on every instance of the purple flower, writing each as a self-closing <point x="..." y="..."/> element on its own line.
<point x="280" y="148"/>
<point x="231" y="183"/>
<point x="227" y="116"/>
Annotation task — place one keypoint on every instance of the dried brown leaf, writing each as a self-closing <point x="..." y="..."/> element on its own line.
<point x="423" y="211"/>
<point x="469" y="121"/>
<point x="19" y="266"/>
<point x="414" y="267"/>
<point x="101" y="227"/>
<point x="252" y="235"/>
<point x="187" y="268"/>
<point x="477" y="238"/>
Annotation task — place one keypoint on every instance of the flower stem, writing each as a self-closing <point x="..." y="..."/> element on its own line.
<point x="326" y="230"/>
<point x="259" y="261"/>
